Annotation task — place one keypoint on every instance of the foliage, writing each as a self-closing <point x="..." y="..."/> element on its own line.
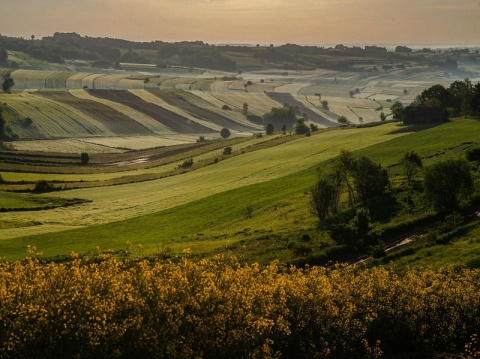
<point x="43" y="186"/>
<point x="447" y="183"/>
<point x="84" y="158"/>
<point x="225" y="132"/>
<point x="187" y="163"/>
<point x="269" y="129"/>
<point x="245" y="109"/>
<point x="325" y="195"/>
<point x="313" y="127"/>
<point x="279" y="116"/>
<point x="473" y="154"/>
<point x="325" y="104"/>
<point x="220" y="308"/>
<point x="342" y="120"/>
<point x="227" y="150"/>
<point x="7" y="84"/>
<point x="411" y="162"/>
<point x="369" y="178"/>
<point x="301" y="128"/>
<point x="397" y="111"/>
<point x="383" y="117"/>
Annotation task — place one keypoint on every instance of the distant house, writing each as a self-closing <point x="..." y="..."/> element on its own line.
<point x="421" y="114"/>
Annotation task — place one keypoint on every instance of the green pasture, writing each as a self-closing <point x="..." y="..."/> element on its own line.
<point x="230" y="205"/>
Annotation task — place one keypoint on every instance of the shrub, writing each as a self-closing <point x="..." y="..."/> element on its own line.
<point x="225" y="133"/>
<point x="84" y="158"/>
<point x="226" y="107"/>
<point x="270" y="128"/>
<point x="43" y="186"/>
<point x="187" y="163"/>
<point x="227" y="151"/>
<point x="473" y="154"/>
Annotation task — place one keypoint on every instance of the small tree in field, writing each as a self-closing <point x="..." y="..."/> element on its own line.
<point x="284" y="129"/>
<point x="84" y="158"/>
<point x="227" y="151"/>
<point x="342" y="121"/>
<point x="325" y="195"/>
<point x="447" y="183"/>
<point x="383" y="117"/>
<point x="225" y="133"/>
<point x="411" y="163"/>
<point x="245" y="109"/>
<point x="301" y="128"/>
<point x="397" y="111"/>
<point x="270" y="128"/>
<point x="7" y="84"/>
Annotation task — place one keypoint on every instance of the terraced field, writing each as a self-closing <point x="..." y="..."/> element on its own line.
<point x="170" y="119"/>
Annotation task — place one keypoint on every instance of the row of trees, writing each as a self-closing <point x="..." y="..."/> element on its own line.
<point x="461" y="97"/>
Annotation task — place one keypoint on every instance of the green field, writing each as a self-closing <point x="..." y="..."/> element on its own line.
<point x="205" y="209"/>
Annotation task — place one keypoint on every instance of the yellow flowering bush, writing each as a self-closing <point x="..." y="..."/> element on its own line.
<point x="219" y="308"/>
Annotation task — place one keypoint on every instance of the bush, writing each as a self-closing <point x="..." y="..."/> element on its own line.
<point x="226" y="108"/>
<point x="43" y="186"/>
<point x="187" y="163"/>
<point x="84" y="158"/>
<point x="225" y="133"/>
<point x="270" y="128"/>
<point x="473" y="154"/>
<point x="227" y="151"/>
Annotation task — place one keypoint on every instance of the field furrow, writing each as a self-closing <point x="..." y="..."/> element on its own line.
<point x="51" y="119"/>
<point x="138" y="116"/>
<point x="149" y="96"/>
<point x="115" y="121"/>
<point x="199" y="108"/>
<point x="174" y="121"/>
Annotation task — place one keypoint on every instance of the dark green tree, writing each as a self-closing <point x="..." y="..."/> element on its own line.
<point x="227" y="151"/>
<point x="7" y="84"/>
<point x="411" y="163"/>
<point x="270" y="128"/>
<point x="284" y="128"/>
<point x="342" y="121"/>
<point x="301" y="128"/>
<point x="225" y="132"/>
<point x="245" y="109"/>
<point x="325" y="195"/>
<point x="369" y="178"/>
<point x="447" y="183"/>
<point x="397" y="111"/>
<point x="84" y="158"/>
<point x="3" y="56"/>
<point x="383" y="117"/>
<point x="281" y="115"/>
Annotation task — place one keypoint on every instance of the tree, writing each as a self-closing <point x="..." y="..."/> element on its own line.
<point x="281" y="116"/>
<point x="84" y="158"/>
<point x="284" y="128"/>
<point x="344" y="165"/>
<point x="7" y="84"/>
<point x="43" y="186"/>
<point x="3" y="56"/>
<point x="225" y="132"/>
<point x="369" y="178"/>
<point x="447" y="183"/>
<point x="325" y="195"/>
<point x="383" y="117"/>
<point x="301" y="128"/>
<point x="227" y="151"/>
<point x="313" y="127"/>
<point x="397" y="111"/>
<point x="245" y="109"/>
<point x="270" y="128"/>
<point x="411" y="162"/>
<point x="342" y="121"/>
<point x="325" y="104"/>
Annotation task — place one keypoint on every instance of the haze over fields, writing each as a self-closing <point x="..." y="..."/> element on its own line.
<point x="251" y="21"/>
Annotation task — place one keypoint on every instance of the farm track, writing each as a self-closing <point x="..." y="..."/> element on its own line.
<point x="177" y="123"/>
<point x="115" y="121"/>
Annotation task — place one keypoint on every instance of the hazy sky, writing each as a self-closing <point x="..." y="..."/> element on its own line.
<point x="250" y="21"/>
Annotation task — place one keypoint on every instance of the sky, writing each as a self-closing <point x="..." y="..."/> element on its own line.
<point x="315" y="22"/>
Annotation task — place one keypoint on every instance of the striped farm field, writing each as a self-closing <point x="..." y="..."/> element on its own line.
<point x="51" y="119"/>
<point x="258" y="103"/>
<point x="177" y="123"/>
<point x="202" y="85"/>
<point x="150" y="97"/>
<point x="75" y="81"/>
<point x="116" y="122"/>
<point x="138" y="116"/>
<point x="57" y="80"/>
<point x="132" y="200"/>
<point x="200" y="108"/>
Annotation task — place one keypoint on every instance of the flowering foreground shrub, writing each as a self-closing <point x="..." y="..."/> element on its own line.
<point x="221" y="309"/>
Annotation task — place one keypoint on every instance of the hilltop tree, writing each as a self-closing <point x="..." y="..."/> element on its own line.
<point x="225" y="132"/>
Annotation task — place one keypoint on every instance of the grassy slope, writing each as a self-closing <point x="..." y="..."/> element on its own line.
<point x="223" y="222"/>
